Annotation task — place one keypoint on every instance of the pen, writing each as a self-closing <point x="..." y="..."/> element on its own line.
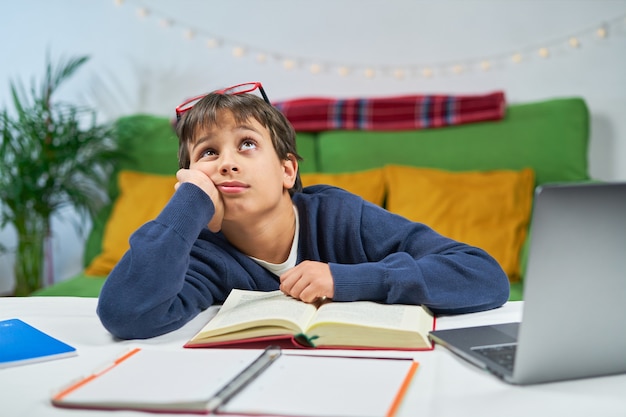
<point x="269" y="355"/>
<point x="74" y="386"/>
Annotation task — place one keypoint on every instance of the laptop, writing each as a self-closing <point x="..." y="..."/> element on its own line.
<point x="574" y="293"/>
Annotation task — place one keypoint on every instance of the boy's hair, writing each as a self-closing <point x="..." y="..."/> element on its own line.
<point x="205" y="113"/>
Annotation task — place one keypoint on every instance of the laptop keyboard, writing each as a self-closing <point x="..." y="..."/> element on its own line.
<point x="503" y="355"/>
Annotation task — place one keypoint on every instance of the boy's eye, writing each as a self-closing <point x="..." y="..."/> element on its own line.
<point x="248" y="144"/>
<point x="207" y="152"/>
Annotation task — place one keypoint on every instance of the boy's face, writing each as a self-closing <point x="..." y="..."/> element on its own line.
<point x="241" y="161"/>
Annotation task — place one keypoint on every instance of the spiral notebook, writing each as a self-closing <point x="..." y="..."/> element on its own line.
<point x="231" y="381"/>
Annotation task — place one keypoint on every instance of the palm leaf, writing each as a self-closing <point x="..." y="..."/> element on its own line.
<point x="52" y="154"/>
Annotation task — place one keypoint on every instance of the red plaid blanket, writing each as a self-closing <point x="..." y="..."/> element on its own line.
<point x="392" y="113"/>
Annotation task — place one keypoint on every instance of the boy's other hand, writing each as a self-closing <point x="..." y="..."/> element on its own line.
<point x="201" y="180"/>
<point x="308" y="281"/>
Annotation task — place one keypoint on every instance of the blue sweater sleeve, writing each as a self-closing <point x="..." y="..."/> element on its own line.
<point x="145" y="295"/>
<point x="384" y="257"/>
<point x="174" y="269"/>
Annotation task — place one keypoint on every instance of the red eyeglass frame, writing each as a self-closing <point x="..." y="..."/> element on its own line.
<point x="234" y="90"/>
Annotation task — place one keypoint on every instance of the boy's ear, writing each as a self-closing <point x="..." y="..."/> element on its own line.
<point x="290" y="168"/>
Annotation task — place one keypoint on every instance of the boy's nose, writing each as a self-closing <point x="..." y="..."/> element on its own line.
<point x="229" y="167"/>
<point x="228" y="163"/>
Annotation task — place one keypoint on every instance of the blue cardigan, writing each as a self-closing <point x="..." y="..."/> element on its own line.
<point x="176" y="267"/>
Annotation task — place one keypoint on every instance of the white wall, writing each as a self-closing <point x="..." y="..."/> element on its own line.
<point x="140" y="65"/>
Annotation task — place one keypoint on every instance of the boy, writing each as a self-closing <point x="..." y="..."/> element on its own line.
<point x="239" y="219"/>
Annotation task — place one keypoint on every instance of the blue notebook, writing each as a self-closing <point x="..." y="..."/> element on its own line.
<point x="21" y="343"/>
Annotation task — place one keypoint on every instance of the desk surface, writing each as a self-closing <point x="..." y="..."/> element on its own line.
<point x="443" y="386"/>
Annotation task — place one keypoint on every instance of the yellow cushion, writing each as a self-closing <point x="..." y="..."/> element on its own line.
<point x="370" y="184"/>
<point x="142" y="197"/>
<point x="490" y="209"/>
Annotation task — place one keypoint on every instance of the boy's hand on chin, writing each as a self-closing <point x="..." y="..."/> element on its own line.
<point x="201" y="180"/>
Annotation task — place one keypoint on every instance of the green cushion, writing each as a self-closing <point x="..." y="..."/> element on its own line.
<point x="550" y="137"/>
<point x="78" y="286"/>
<point x="306" y="145"/>
<point x="151" y="146"/>
<point x="517" y="291"/>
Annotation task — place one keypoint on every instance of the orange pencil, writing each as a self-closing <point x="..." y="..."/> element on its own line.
<point x="400" y="395"/>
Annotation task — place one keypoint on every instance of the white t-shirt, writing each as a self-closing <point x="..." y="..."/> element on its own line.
<point x="279" y="269"/>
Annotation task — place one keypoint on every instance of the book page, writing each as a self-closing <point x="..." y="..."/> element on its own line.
<point x="243" y="309"/>
<point x="366" y="323"/>
<point x="153" y="379"/>
<point x="324" y="386"/>
<point x="368" y="313"/>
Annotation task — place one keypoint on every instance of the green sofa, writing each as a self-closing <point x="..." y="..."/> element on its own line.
<point x="550" y="137"/>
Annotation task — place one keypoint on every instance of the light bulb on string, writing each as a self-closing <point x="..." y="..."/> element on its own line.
<point x="399" y="74"/>
<point x="212" y="43"/>
<point x="239" y="51"/>
<point x="343" y="71"/>
<point x="289" y="64"/>
<point x="315" y="68"/>
<point x="544" y="52"/>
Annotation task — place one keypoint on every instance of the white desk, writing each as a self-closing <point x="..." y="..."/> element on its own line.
<point x="443" y="386"/>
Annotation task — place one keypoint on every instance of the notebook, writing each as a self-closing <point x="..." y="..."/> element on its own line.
<point x="574" y="293"/>
<point x="242" y="382"/>
<point x="21" y="343"/>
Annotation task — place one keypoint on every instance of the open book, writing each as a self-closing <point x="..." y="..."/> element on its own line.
<point x="258" y="319"/>
<point x="234" y="381"/>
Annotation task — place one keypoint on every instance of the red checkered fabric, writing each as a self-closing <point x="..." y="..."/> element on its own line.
<point x="392" y="113"/>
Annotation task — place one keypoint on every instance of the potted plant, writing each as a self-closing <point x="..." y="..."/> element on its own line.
<point x="52" y="154"/>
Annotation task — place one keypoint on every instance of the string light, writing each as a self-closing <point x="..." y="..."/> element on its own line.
<point x="369" y="73"/>
<point x="289" y="64"/>
<point x="239" y="51"/>
<point x="399" y="74"/>
<point x="315" y="68"/>
<point x="213" y="41"/>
